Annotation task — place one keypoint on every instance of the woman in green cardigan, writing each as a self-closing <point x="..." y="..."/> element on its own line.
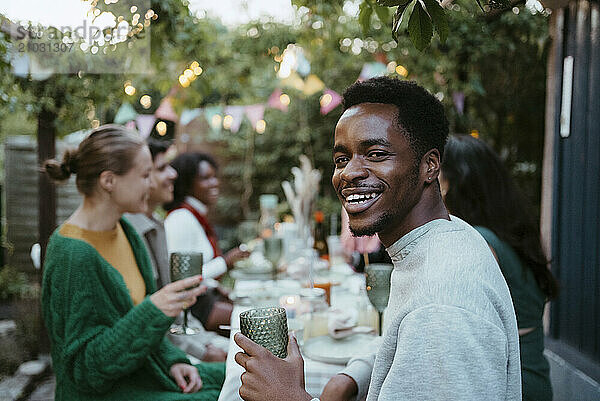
<point x="106" y="321"/>
<point x="477" y="188"/>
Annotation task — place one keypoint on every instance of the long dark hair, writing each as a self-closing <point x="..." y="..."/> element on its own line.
<point x="481" y="192"/>
<point x="186" y="165"/>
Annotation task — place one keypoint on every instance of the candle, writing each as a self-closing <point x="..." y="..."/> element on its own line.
<point x="291" y="303"/>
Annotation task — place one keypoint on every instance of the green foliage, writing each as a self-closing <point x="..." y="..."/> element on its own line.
<point x="420" y="28"/>
<point x="421" y="17"/>
<point x="499" y="65"/>
<point x="14" y="284"/>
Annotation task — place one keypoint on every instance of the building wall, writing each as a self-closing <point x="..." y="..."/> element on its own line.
<point x="571" y="198"/>
<point x="21" y="199"/>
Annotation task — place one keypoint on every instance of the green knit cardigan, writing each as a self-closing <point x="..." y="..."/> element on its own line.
<point x="104" y="347"/>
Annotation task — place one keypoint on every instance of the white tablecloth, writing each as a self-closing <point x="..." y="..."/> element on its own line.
<point x="317" y="374"/>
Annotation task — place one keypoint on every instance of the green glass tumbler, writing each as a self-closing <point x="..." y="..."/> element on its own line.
<point x="267" y="327"/>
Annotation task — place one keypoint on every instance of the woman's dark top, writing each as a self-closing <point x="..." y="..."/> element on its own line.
<point x="528" y="301"/>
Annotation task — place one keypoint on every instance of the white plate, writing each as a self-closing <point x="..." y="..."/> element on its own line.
<point x="326" y="349"/>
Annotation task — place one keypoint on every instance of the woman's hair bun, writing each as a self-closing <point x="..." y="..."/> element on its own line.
<point x="61" y="171"/>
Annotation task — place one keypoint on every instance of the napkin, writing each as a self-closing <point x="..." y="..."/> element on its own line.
<point x="341" y="322"/>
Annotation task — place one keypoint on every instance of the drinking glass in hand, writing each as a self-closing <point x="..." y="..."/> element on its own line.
<point x="266" y="327"/>
<point x="273" y="252"/>
<point x="378" y="287"/>
<point x="184" y="265"/>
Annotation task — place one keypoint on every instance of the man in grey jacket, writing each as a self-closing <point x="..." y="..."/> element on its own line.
<point x="451" y="331"/>
<point x="207" y="346"/>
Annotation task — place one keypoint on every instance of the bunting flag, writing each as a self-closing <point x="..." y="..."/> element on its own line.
<point x="312" y="85"/>
<point x="329" y="101"/>
<point x="371" y="70"/>
<point x="145" y="123"/>
<point x="459" y="101"/>
<point x="165" y="111"/>
<point x="189" y="115"/>
<point x="275" y="101"/>
<point x="302" y="64"/>
<point x="213" y="115"/>
<point x="293" y="81"/>
<point x="255" y="113"/>
<point x="125" y="114"/>
<point x="237" y="115"/>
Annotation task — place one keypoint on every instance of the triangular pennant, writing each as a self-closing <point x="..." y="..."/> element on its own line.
<point x="459" y="102"/>
<point x="329" y="101"/>
<point x="189" y="115"/>
<point x="165" y="111"/>
<point x="214" y="117"/>
<point x="293" y="81"/>
<point x="237" y="115"/>
<point x="371" y="70"/>
<point x="313" y="85"/>
<point x="275" y="101"/>
<point x="255" y="113"/>
<point x="302" y="64"/>
<point x="125" y="113"/>
<point x="145" y="123"/>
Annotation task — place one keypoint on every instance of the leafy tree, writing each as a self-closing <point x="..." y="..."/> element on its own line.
<point x="498" y="64"/>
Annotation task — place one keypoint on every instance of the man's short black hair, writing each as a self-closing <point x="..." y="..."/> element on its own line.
<point x="421" y="116"/>
<point x="157" y="146"/>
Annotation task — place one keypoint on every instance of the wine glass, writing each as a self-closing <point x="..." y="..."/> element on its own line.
<point x="378" y="287"/>
<point x="184" y="265"/>
<point x="273" y="252"/>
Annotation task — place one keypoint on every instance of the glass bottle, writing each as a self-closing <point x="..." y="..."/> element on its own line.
<point x="268" y="215"/>
<point x="320" y="243"/>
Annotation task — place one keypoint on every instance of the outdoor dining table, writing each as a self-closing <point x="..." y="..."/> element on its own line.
<point x="317" y="374"/>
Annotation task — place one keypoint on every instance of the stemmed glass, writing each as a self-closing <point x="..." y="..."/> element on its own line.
<point x="378" y="287"/>
<point x="273" y="252"/>
<point x="184" y="265"/>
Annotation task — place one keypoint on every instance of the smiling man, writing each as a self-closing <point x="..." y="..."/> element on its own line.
<point x="450" y="330"/>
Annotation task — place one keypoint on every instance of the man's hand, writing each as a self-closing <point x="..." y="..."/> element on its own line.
<point x="268" y="377"/>
<point x="214" y="354"/>
<point x="340" y="388"/>
<point x="187" y="377"/>
<point x="234" y="255"/>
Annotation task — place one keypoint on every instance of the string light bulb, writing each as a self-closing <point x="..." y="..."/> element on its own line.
<point x="261" y="125"/>
<point x="184" y="81"/>
<point x="161" y="128"/>
<point x="146" y="101"/>
<point x="227" y="121"/>
<point x="130" y="90"/>
<point x="284" y="99"/>
<point x="401" y="70"/>
<point x="216" y="121"/>
<point x="325" y="100"/>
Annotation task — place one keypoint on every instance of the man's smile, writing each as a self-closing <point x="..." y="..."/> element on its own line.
<point x="358" y="199"/>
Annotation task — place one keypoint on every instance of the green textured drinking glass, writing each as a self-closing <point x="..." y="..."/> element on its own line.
<point x="378" y="287"/>
<point x="184" y="265"/>
<point x="267" y="327"/>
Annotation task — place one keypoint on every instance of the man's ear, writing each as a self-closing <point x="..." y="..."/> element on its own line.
<point x="107" y="181"/>
<point x="430" y="166"/>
